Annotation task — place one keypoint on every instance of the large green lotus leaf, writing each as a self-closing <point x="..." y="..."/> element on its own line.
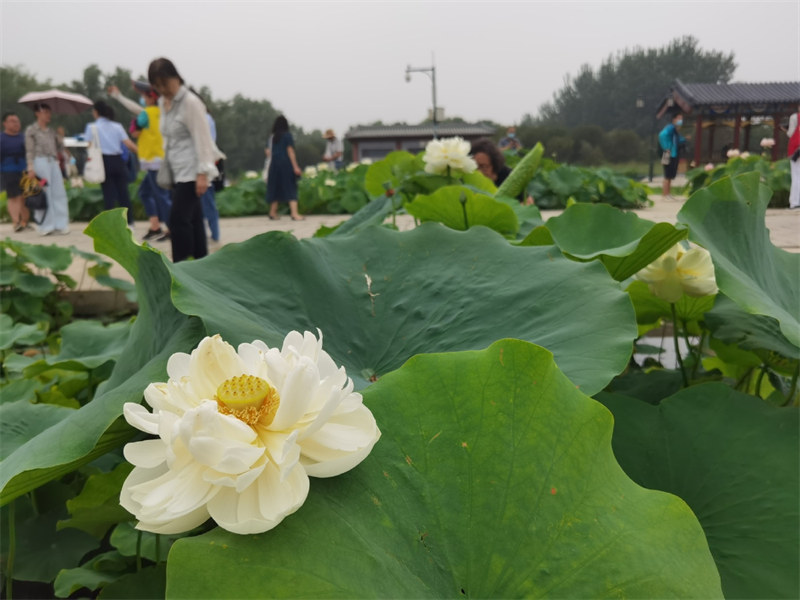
<point x="528" y="216"/>
<point x="373" y="213"/>
<point x="734" y="460"/>
<point x="158" y="332"/>
<point x="20" y="334"/>
<point x="493" y="478"/>
<point x="97" y="506"/>
<point x="392" y="169"/>
<point x="55" y="258"/>
<point x="650" y="308"/>
<point x="728" y="322"/>
<point x="654" y="243"/>
<point x="23" y="420"/>
<point x="589" y="230"/>
<point x="624" y="242"/>
<point x="460" y="208"/>
<point x="727" y="218"/>
<point x="36" y="285"/>
<point x="382" y="296"/>
<point x="85" y="345"/>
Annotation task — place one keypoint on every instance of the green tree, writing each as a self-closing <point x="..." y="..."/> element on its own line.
<point x="15" y="82"/>
<point x="607" y="97"/>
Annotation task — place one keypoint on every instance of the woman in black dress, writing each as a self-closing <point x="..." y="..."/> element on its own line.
<point x="283" y="170"/>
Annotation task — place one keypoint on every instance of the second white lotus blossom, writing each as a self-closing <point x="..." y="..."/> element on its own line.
<point x="452" y="153"/>
<point x="239" y="433"/>
<point x="680" y="271"/>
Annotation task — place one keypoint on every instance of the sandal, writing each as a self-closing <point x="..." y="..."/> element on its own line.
<point x="271" y="218"/>
<point x="298" y="218"/>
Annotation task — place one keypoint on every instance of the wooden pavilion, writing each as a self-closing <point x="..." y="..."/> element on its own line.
<point x="739" y="105"/>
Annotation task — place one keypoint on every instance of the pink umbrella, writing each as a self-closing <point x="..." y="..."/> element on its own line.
<point x="65" y="103"/>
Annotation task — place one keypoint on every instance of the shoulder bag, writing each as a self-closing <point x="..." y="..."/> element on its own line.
<point x="164" y="177"/>
<point x="35" y="197"/>
<point x="94" y="171"/>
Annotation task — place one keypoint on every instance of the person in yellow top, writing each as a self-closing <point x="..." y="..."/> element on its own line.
<point x="146" y="129"/>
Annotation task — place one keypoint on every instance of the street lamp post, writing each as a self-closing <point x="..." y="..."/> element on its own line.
<point x="430" y="72"/>
<point x="640" y="104"/>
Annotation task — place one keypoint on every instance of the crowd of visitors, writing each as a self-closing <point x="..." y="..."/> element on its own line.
<point x="172" y="137"/>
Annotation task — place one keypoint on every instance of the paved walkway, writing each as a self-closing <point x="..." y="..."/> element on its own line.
<point x="783" y="224"/>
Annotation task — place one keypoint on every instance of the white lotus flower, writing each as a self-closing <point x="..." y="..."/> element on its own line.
<point x="323" y="166"/>
<point x="310" y="171"/>
<point x="239" y="433"/>
<point x="732" y="153"/>
<point x="330" y="182"/>
<point x="449" y="152"/>
<point x="709" y="167"/>
<point x="678" y="271"/>
<point x="767" y="142"/>
<point x="366" y="161"/>
<point x="351" y="167"/>
<point x="744" y="155"/>
<point x="250" y="175"/>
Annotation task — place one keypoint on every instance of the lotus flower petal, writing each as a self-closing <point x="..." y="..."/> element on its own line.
<point x="239" y="432"/>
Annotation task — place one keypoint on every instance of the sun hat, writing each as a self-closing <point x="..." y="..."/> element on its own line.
<point x="329" y="134"/>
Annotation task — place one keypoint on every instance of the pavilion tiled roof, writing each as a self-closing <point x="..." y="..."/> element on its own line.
<point x="419" y="131"/>
<point x="714" y="94"/>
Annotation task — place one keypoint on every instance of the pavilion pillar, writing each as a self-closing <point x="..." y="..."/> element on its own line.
<point x="749" y="126"/>
<point x="698" y="138"/>
<point x="711" y="140"/>
<point x="776" y="119"/>
<point x="737" y="125"/>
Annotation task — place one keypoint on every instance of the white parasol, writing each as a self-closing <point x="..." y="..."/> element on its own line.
<point x="65" y="103"/>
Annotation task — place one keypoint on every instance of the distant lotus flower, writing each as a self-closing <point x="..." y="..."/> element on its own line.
<point x="330" y="182"/>
<point x="678" y="271"/>
<point x="250" y="175"/>
<point x="709" y="167"/>
<point x="310" y="171"/>
<point x="239" y="433"/>
<point x="732" y="153"/>
<point x="351" y="167"/>
<point x="744" y="155"/>
<point x="449" y="152"/>
<point x="366" y="161"/>
<point x="323" y="166"/>
<point x="767" y="142"/>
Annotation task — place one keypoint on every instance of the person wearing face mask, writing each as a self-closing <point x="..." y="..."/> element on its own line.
<point x="510" y="142"/>
<point x="155" y="199"/>
<point x="670" y="141"/>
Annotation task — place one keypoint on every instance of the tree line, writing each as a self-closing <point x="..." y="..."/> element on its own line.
<point x="593" y="119"/>
<point x="243" y="124"/>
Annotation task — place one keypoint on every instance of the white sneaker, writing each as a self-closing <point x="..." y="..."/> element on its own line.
<point x="63" y="231"/>
<point x="44" y="232"/>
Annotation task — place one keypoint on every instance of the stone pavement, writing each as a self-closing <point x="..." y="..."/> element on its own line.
<point x="783" y="224"/>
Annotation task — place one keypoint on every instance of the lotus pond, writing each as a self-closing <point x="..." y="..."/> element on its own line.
<point x="521" y="446"/>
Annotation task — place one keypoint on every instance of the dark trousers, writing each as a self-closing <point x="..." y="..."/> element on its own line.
<point x="186" y="227"/>
<point x="115" y="186"/>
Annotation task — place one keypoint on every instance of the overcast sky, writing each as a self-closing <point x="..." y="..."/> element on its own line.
<point x="338" y="64"/>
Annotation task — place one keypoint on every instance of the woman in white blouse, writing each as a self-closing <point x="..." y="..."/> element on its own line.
<point x="190" y="155"/>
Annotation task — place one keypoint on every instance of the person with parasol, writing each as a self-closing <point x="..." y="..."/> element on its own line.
<point x="42" y="149"/>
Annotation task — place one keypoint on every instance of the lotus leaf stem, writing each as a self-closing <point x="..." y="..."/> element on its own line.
<point x="677" y="346"/>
